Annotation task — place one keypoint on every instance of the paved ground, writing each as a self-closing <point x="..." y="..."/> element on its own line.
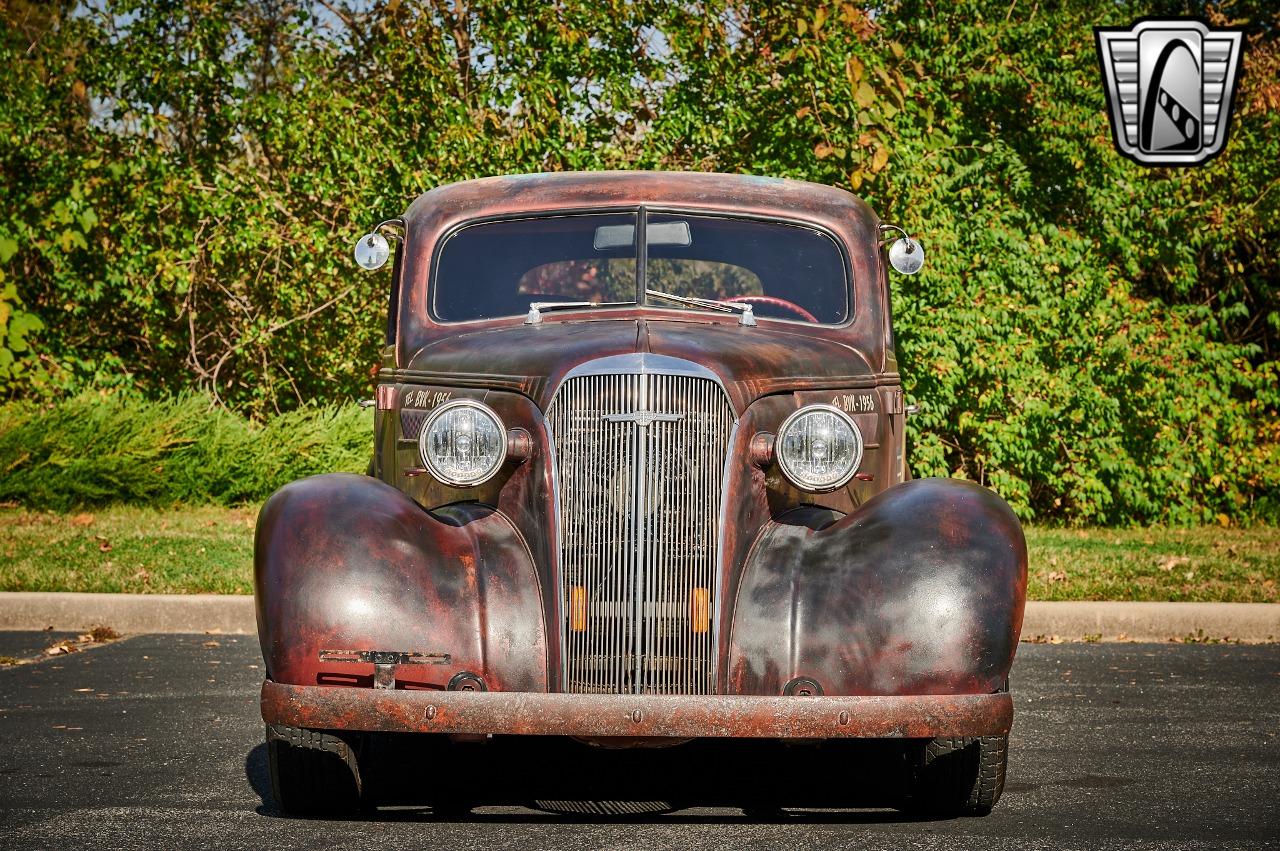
<point x="154" y="742"/>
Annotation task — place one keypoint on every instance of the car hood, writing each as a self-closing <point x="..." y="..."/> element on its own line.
<point x="533" y="359"/>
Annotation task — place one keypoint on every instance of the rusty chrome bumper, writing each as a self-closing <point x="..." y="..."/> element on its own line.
<point x="621" y="715"/>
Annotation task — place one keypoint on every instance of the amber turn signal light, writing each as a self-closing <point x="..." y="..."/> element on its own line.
<point x="700" y="610"/>
<point x="578" y="608"/>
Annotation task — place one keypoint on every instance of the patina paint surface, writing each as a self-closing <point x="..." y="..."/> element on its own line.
<point x="609" y="716"/>
<point x="438" y="212"/>
<point x="750" y="361"/>
<point x="910" y="594"/>
<point x="919" y="591"/>
<point x="346" y="562"/>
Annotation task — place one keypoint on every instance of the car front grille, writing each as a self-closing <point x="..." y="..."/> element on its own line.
<point x="640" y="460"/>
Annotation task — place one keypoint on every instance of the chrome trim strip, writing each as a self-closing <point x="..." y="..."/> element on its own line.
<point x="722" y="557"/>
<point x="641" y="363"/>
<point x="556" y="567"/>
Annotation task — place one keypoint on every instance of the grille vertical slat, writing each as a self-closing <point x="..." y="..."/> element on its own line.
<point x="639" y="504"/>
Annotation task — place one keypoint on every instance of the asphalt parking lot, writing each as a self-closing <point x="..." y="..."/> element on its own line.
<point x="155" y="742"/>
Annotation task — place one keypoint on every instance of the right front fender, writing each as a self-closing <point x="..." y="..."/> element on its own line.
<point x="346" y="562"/>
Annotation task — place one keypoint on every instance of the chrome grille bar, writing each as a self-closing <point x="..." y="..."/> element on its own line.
<point x="641" y="458"/>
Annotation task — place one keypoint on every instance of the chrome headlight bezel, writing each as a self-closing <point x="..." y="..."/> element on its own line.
<point x="424" y="437"/>
<point x="788" y="471"/>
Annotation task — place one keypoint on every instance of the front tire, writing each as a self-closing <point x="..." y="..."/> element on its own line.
<point x="958" y="776"/>
<point x="313" y="773"/>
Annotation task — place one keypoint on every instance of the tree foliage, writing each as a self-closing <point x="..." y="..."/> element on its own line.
<point x="1095" y="339"/>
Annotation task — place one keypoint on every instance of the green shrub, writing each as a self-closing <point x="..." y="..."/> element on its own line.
<point x="100" y="448"/>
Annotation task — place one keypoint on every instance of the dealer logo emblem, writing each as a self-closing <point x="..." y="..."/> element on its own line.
<point x="1169" y="86"/>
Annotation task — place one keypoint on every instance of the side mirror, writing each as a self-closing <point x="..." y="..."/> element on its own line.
<point x="905" y="254"/>
<point x="372" y="251"/>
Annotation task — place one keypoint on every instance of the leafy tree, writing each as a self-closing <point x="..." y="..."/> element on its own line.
<point x="1095" y="339"/>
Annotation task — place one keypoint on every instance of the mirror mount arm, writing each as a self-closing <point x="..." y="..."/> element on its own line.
<point x="394" y="229"/>
<point x="884" y="228"/>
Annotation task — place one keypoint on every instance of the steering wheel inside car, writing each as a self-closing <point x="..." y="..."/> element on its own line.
<point x="774" y="301"/>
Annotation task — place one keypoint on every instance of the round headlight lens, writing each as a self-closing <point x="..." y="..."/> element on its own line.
<point x="819" y="448"/>
<point x="463" y="443"/>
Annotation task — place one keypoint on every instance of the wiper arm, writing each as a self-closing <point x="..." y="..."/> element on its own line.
<point x="535" y="309"/>
<point x="748" y="315"/>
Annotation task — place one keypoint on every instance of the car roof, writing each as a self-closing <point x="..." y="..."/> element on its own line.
<point x="747" y="194"/>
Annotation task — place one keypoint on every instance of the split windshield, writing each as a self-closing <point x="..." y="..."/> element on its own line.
<point x="499" y="268"/>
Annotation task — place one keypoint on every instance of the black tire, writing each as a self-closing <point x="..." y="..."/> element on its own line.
<point x="313" y="773"/>
<point x="958" y="776"/>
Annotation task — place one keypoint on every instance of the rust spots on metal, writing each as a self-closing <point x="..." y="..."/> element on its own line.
<point x="761" y="449"/>
<point x="910" y="596"/>
<point x="753" y="361"/>
<point x="347" y="561"/>
<point x="893" y="599"/>
<point x="659" y="716"/>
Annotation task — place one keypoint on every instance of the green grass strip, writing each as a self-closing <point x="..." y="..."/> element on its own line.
<point x="189" y="550"/>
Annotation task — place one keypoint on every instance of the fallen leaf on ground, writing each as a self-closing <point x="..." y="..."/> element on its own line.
<point x="82" y="520"/>
<point x="1170" y="562"/>
<point x="100" y="633"/>
<point x="1057" y="576"/>
<point x="212" y="644"/>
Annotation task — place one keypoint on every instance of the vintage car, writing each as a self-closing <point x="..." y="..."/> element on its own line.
<point x="639" y="478"/>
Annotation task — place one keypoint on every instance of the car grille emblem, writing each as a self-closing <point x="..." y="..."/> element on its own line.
<point x="642" y="418"/>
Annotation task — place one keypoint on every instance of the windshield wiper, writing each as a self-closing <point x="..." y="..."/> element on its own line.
<point x="748" y="315"/>
<point x="534" y="316"/>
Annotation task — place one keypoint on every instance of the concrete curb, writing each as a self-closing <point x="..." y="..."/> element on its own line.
<point x="128" y="613"/>
<point x="1044" y="621"/>
<point x="1123" y="621"/>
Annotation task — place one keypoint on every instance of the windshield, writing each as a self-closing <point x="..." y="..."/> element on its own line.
<point x="498" y="269"/>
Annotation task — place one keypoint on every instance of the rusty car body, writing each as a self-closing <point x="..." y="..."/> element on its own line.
<point x="638" y="568"/>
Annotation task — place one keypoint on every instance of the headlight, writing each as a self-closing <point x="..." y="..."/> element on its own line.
<point x="463" y="443"/>
<point x="819" y="448"/>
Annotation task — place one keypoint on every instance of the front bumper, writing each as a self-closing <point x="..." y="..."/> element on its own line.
<point x="630" y="716"/>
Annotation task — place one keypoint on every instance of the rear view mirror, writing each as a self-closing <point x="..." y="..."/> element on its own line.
<point x="624" y="236"/>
